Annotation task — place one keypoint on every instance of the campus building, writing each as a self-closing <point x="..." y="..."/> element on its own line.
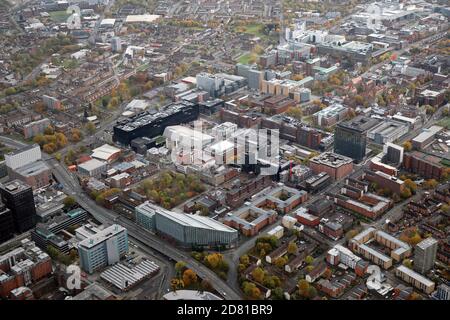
<point x="186" y="230"/>
<point x="103" y="248"/>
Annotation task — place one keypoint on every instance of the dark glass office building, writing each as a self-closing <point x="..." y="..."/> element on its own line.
<point x="152" y="123"/>
<point x="350" y="137"/>
<point x="6" y="223"/>
<point x="18" y="197"/>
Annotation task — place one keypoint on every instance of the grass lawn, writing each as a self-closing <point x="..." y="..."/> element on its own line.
<point x="255" y="29"/>
<point x="445" y="122"/>
<point x="247" y="58"/>
<point x="59" y="16"/>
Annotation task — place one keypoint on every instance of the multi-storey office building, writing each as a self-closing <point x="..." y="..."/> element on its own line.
<point x="186" y="229"/>
<point x="152" y="123"/>
<point x="104" y="248"/>
<point x="350" y="138"/>
<point x="18" y="197"/>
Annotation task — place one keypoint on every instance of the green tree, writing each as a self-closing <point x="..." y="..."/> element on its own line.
<point x="292" y="248"/>
<point x="69" y="202"/>
<point x="309" y="259"/>
<point x="258" y="275"/>
<point x="90" y="127"/>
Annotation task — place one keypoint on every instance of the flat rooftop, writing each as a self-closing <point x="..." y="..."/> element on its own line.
<point x="361" y="124"/>
<point x="102" y="235"/>
<point x="150" y="116"/>
<point x="15" y="186"/>
<point x="331" y="159"/>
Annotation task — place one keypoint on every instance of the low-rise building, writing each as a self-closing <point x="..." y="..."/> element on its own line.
<point x="414" y="278"/>
<point x="335" y="165"/>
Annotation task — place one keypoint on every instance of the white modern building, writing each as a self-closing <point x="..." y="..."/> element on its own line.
<point x="104" y="248"/>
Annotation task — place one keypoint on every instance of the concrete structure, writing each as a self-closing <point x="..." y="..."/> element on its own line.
<point x="6" y="223"/>
<point x="191" y="231"/>
<point x="387" y="131"/>
<point x="23" y="266"/>
<point x="330" y="115"/>
<point x="36" y="174"/>
<point x="427" y="166"/>
<point x="426" y="137"/>
<point x="151" y="124"/>
<point x="116" y="44"/>
<point x="350" y="138"/>
<point x="106" y="153"/>
<point x="385" y="181"/>
<point x="34" y="128"/>
<point x="104" y="248"/>
<point x="335" y="165"/>
<point x="399" y="249"/>
<point x="92" y="168"/>
<point x="18" y="197"/>
<point x="425" y="255"/>
<point x="23" y="156"/>
<point x="414" y="278"/>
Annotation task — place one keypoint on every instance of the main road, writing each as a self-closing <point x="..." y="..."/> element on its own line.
<point x="139" y="235"/>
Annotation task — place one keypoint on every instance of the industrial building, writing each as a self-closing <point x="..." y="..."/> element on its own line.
<point x="92" y="168"/>
<point x="191" y="231"/>
<point x="152" y="123"/>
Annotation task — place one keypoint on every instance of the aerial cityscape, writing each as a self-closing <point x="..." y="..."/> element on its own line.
<point x="224" y="150"/>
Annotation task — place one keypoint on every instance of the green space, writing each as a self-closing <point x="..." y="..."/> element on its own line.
<point x="255" y="29"/>
<point x="59" y="16"/>
<point x="445" y="122"/>
<point x="248" y="58"/>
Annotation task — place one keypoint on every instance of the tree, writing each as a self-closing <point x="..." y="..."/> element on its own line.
<point x="295" y="112"/>
<point x="69" y="202"/>
<point x="309" y="259"/>
<point x="76" y="134"/>
<point x="351" y="234"/>
<point x="292" y="248"/>
<point x="277" y="294"/>
<point x="213" y="259"/>
<point x="189" y="277"/>
<point x="407" y="263"/>
<point x="280" y="262"/>
<point x="411" y="185"/>
<point x="49" y="148"/>
<point x="406" y="193"/>
<point x="176" y="284"/>
<point x="312" y="292"/>
<point x="179" y="267"/>
<point x="90" y="127"/>
<point x="430" y="184"/>
<point x="206" y="285"/>
<point x="258" y="275"/>
<point x="49" y="130"/>
<point x="303" y="287"/>
<point x="245" y="260"/>
<point x="407" y="145"/>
